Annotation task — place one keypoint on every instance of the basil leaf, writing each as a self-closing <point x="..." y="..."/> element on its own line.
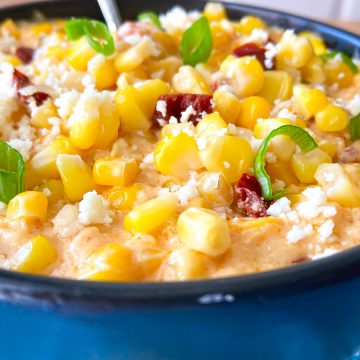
<point x="299" y="136"/>
<point x="150" y="15"/>
<point x="96" y="32"/>
<point x="12" y="172"/>
<point x="196" y="43"/>
<point x="346" y="59"/>
<point x="355" y="127"/>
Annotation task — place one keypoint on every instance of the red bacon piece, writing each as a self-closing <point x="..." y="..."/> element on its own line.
<point x="24" y="54"/>
<point x="178" y="103"/>
<point x="248" y="197"/>
<point x="21" y="81"/>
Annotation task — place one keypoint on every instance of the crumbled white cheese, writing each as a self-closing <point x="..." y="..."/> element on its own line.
<point x="354" y="105"/>
<point x="93" y="209"/>
<point x="325" y="253"/>
<point x="66" y="103"/>
<point x="187" y="192"/>
<point x="47" y="192"/>
<point x="161" y="107"/>
<point x="132" y="39"/>
<point x="259" y="35"/>
<point x="212" y="181"/>
<point x="311" y="207"/>
<point x="295" y="234"/>
<point x="66" y="222"/>
<point x="270" y="157"/>
<point x="201" y="142"/>
<point x="270" y="53"/>
<point x="287" y="114"/>
<point x="326" y="229"/>
<point x="148" y="160"/>
<point x="185" y="115"/>
<point x="173" y="120"/>
<point x="328" y="211"/>
<point x="22" y="146"/>
<point x="178" y="18"/>
<point x="279" y="207"/>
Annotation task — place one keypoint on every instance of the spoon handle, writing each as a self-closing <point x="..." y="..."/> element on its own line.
<point x="111" y="13"/>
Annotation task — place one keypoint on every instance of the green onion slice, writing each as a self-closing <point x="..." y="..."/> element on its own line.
<point x="12" y="172"/>
<point x="196" y="43"/>
<point x="150" y="15"/>
<point x="96" y="32"/>
<point x="355" y="127"/>
<point x="299" y="136"/>
<point x="346" y="59"/>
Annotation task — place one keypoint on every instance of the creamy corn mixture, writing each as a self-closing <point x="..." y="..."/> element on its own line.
<point x="139" y="165"/>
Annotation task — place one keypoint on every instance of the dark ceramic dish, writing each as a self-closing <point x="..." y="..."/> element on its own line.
<point x="308" y="311"/>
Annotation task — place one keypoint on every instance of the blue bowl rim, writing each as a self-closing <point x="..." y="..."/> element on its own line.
<point x="279" y="282"/>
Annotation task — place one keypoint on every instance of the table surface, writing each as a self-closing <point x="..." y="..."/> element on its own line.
<point x="353" y="26"/>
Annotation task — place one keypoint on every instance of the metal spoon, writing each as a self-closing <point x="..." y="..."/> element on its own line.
<point x="111" y="13"/>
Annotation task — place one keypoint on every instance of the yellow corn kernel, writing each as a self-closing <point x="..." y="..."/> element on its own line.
<point x="252" y="224"/>
<point x="8" y="27"/>
<point x="340" y="183"/>
<point x="28" y="205"/>
<point x="103" y="71"/>
<point x="203" y="230"/>
<point x="170" y="129"/>
<point x="41" y="28"/>
<point x="147" y="94"/>
<point x="11" y="59"/>
<point x="130" y="78"/>
<point x="109" y="128"/>
<point x="198" y="202"/>
<point x="132" y="117"/>
<point x="331" y="118"/>
<point x="308" y="102"/>
<point x="316" y="42"/>
<point x="248" y="23"/>
<point x="112" y="262"/>
<point x="186" y="264"/>
<point x="328" y="146"/>
<point x="251" y="109"/>
<point x="79" y="54"/>
<point x="123" y="198"/>
<point x="149" y="216"/>
<point x="149" y="259"/>
<point x="282" y="146"/>
<point x="227" y="105"/>
<point x="338" y="73"/>
<point x="281" y="170"/>
<point x="75" y="176"/>
<point x="277" y="85"/>
<point x="229" y="155"/>
<point x="221" y="36"/>
<point x="210" y="124"/>
<point x="40" y="117"/>
<point x="188" y="80"/>
<point x="314" y="72"/>
<point x="305" y="165"/>
<point x="85" y="125"/>
<point x="293" y="51"/>
<point x="167" y="42"/>
<point x="165" y="69"/>
<point x="44" y="163"/>
<point x="215" y="189"/>
<point x="214" y="11"/>
<point x="134" y="56"/>
<point x="245" y="74"/>
<point x="177" y="155"/>
<point x="115" y="171"/>
<point x="53" y="189"/>
<point x="34" y="256"/>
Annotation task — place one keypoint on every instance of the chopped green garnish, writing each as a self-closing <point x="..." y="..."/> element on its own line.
<point x="355" y="127"/>
<point x="346" y="59"/>
<point x="150" y="15"/>
<point x="12" y="172"/>
<point x="196" y="43"/>
<point x="299" y="136"/>
<point x="96" y="32"/>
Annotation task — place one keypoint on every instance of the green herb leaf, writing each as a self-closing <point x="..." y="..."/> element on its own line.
<point x="196" y="43"/>
<point x="12" y="172"/>
<point x="74" y="29"/>
<point x="346" y="59"/>
<point x="96" y="32"/>
<point x="355" y="127"/>
<point x="299" y="136"/>
<point x="150" y="15"/>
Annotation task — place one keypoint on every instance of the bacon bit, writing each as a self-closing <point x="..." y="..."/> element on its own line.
<point x="248" y="197"/>
<point x="24" y="54"/>
<point x="21" y="81"/>
<point x="178" y="103"/>
<point x="252" y="49"/>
